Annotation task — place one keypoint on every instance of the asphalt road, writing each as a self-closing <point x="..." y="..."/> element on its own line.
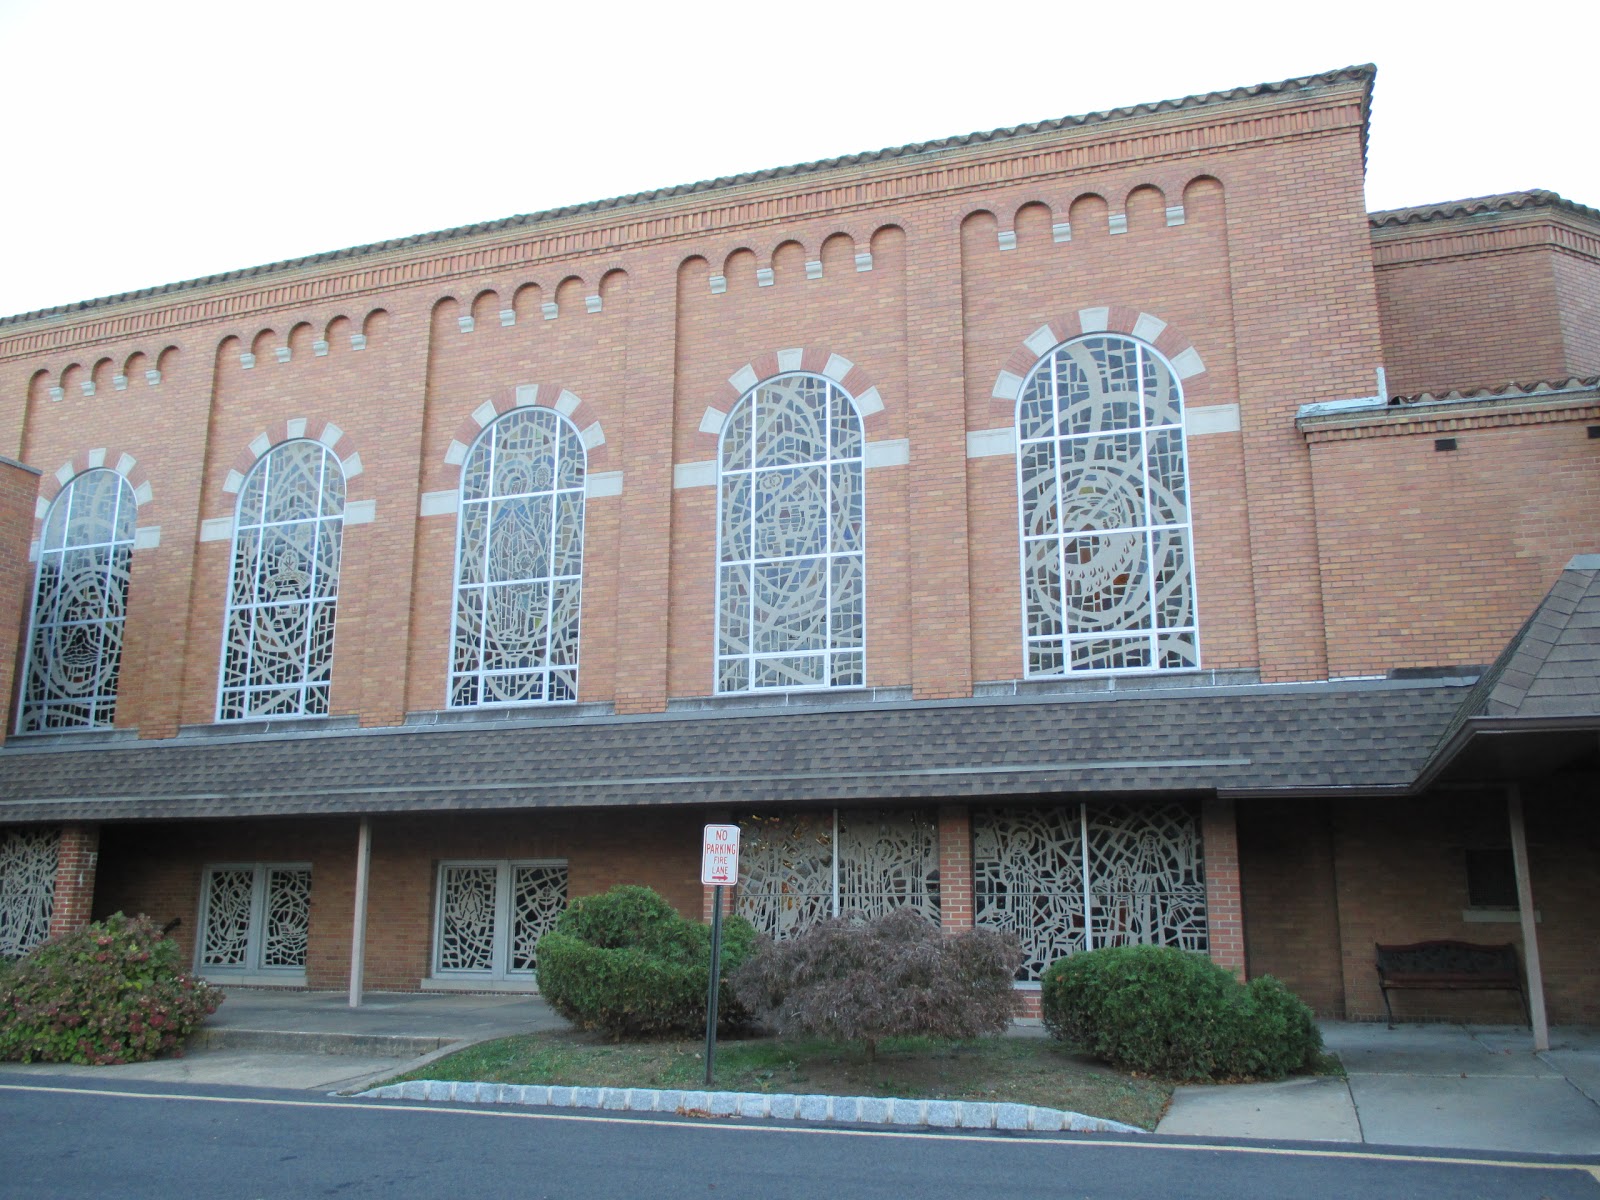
<point x="61" y="1138"/>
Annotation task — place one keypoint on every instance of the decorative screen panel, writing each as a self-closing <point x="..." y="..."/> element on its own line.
<point x="277" y="656"/>
<point x="467" y="904"/>
<point x="1145" y="882"/>
<point x="1107" y="568"/>
<point x="538" y="896"/>
<point x="519" y="563"/>
<point x="80" y="600"/>
<point x="789" y="880"/>
<point x="286" y="921"/>
<point x="230" y="917"/>
<point x="791" y="575"/>
<point x="27" y="888"/>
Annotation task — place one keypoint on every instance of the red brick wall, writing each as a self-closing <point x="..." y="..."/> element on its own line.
<point x="75" y="878"/>
<point x="1291" y="918"/>
<point x="1436" y="558"/>
<point x="1219" y="836"/>
<point x="18" y="488"/>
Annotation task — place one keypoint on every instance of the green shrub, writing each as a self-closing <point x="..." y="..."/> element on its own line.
<point x="896" y="976"/>
<point x="1177" y="1014"/>
<point x="627" y="963"/>
<point x="107" y="993"/>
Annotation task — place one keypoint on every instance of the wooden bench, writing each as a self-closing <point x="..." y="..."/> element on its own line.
<point x="1449" y="966"/>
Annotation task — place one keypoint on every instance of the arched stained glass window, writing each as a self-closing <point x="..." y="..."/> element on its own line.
<point x="791" y="575"/>
<point x="1107" y="556"/>
<point x="519" y="563"/>
<point x="80" y="599"/>
<point x="277" y="650"/>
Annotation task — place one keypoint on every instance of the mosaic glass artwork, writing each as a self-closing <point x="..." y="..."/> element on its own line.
<point x="492" y="915"/>
<point x="277" y="657"/>
<point x="789" y="880"/>
<point x="1136" y="871"/>
<point x="791" y="574"/>
<point x="1107" y="570"/>
<point x="255" y="917"/>
<point x="80" y="600"/>
<point x="538" y="894"/>
<point x="519" y="563"/>
<point x="27" y="888"/>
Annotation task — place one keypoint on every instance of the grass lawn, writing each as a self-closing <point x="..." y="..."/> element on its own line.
<point x="1020" y="1070"/>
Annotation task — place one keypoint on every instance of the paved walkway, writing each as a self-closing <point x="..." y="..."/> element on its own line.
<point x="1463" y="1087"/>
<point x="1445" y="1086"/>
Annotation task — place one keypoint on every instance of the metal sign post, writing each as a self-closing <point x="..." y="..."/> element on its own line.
<point x="719" y="866"/>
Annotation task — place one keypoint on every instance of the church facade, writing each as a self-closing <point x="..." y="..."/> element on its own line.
<point x="1105" y="530"/>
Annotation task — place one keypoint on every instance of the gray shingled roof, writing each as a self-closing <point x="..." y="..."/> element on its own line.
<point x="1364" y="73"/>
<point x="1477" y="206"/>
<point x="1305" y="739"/>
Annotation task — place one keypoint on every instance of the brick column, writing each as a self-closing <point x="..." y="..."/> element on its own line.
<point x="1219" y="835"/>
<point x="955" y="868"/>
<point x="19" y="487"/>
<point x="76" y="858"/>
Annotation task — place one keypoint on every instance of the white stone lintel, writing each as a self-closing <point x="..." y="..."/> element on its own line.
<point x="814" y="268"/>
<point x="1006" y="386"/>
<point x="319" y="348"/>
<point x="439" y="504"/>
<point x="58" y="393"/>
<point x="358" y="341"/>
<point x="744" y="379"/>
<point x="1094" y="320"/>
<point x="550" y="309"/>
<point x="527" y="393"/>
<point x="864" y="261"/>
<point x="712" y="420"/>
<point x="593" y="436"/>
<point x="152" y="377"/>
<point x="695" y="474"/>
<point x="97" y="458"/>
<point x="892" y="452"/>
<point x="764" y="277"/>
<point x="456" y="453"/>
<point x="217" y="529"/>
<point x="988" y="443"/>
<point x="147" y="537"/>
<point x="297" y="427"/>
<point x="247" y="361"/>
<point x="1175" y="214"/>
<point x="508" y="317"/>
<point x="602" y="484"/>
<point x="719" y="284"/>
<point x="260" y="444"/>
<point x="1188" y="363"/>
<point x="353" y="466"/>
<point x="484" y="413"/>
<point x="233" y="482"/>
<point x="64" y="474"/>
<point x="283" y="354"/>
<point x="1061" y="231"/>
<point x="142" y="493"/>
<point x="1148" y="328"/>
<point x="41" y="509"/>
<point x="1211" y="418"/>
<point x="330" y="435"/>
<point x="567" y="403"/>
<point x="466" y="324"/>
<point x="1118" y="223"/>
<point x="869" y="402"/>
<point x="1007" y="239"/>
<point x="1041" y="341"/>
<point x="120" y="382"/>
<point x="33" y="550"/>
<point x="125" y="464"/>
<point x="790" y="359"/>
<point x="593" y="303"/>
<point x="837" y="367"/>
<point x="361" y="512"/>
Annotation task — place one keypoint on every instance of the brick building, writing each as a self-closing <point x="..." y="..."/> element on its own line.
<point x="1021" y="526"/>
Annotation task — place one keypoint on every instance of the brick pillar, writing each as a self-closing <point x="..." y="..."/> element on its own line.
<point x="955" y="868"/>
<point x="1219" y="834"/>
<point x="19" y="487"/>
<point x="76" y="859"/>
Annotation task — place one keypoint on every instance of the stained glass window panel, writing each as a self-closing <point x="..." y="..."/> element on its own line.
<point x="791" y="594"/>
<point x="519" y="563"/>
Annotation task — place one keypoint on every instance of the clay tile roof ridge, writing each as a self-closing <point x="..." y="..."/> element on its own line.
<point x="1364" y="72"/>
<point x="1478" y="205"/>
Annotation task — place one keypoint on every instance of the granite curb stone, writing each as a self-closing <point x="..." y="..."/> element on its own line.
<point x="783" y="1106"/>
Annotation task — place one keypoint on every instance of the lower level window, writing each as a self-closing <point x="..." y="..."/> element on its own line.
<point x="490" y="916"/>
<point x="254" y="919"/>
<point x="1080" y="876"/>
<point x="796" y="869"/>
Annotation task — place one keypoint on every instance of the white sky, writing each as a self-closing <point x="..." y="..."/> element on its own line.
<point x="155" y="141"/>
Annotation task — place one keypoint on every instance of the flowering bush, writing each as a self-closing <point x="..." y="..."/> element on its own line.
<point x="107" y="993"/>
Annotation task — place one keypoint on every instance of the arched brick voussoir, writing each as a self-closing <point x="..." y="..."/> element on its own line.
<point x="544" y="395"/>
<point x="818" y="360"/>
<point x="109" y="457"/>
<point x="294" y="429"/>
<point x="1172" y="344"/>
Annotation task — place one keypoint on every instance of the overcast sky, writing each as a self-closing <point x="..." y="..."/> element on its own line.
<point x="155" y="141"/>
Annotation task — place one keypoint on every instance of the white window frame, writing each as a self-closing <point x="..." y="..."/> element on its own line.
<point x="484" y="442"/>
<point x="251" y="681"/>
<point x="1152" y="634"/>
<point x="830" y="651"/>
<point x="102" y="705"/>
<point x="499" y="972"/>
<point x="252" y="971"/>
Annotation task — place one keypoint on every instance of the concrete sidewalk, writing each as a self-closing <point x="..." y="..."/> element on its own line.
<point x="1446" y="1086"/>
